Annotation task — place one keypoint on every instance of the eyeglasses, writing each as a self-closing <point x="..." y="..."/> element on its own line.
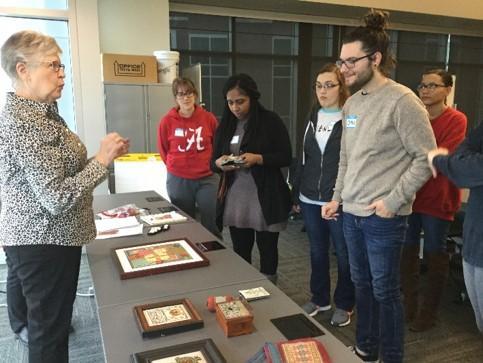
<point x="184" y="94"/>
<point x="430" y="86"/>
<point x="327" y="85"/>
<point x="351" y="62"/>
<point x="54" y="65"/>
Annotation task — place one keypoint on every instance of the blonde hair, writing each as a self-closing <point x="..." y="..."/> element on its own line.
<point x="24" y="46"/>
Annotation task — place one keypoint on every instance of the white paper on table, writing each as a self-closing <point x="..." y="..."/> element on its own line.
<point x="163" y="218"/>
<point x="104" y="225"/>
<point x="122" y="232"/>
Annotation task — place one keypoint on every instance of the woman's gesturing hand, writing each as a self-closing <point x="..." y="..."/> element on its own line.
<point x="113" y="145"/>
<point x="431" y="155"/>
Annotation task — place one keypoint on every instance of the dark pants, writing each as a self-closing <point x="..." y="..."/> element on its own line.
<point x="320" y="233"/>
<point x="375" y="245"/>
<point x="435" y="232"/>
<point x="187" y="194"/>
<point x="41" y="288"/>
<point x="267" y="242"/>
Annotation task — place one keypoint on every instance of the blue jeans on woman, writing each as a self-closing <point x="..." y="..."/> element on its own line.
<point x="375" y="245"/>
<point x="320" y="233"/>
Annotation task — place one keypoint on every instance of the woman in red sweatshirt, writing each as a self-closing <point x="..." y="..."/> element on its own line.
<point x="434" y="208"/>
<point x="185" y="142"/>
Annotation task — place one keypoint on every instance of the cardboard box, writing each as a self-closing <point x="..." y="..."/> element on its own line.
<point x="129" y="68"/>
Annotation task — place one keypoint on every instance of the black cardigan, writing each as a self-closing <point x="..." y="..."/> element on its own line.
<point x="316" y="178"/>
<point x="268" y="137"/>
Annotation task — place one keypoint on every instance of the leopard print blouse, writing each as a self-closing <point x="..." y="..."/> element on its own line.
<point x="46" y="181"/>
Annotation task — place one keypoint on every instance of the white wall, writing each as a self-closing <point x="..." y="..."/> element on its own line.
<point x="133" y="26"/>
<point x="110" y="26"/>
<point x="471" y="9"/>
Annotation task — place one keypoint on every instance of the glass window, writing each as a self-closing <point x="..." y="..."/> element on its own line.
<point x="276" y="80"/>
<point x="466" y="50"/>
<point x="322" y="40"/>
<point x="468" y="92"/>
<point x="57" y="29"/>
<point x="266" y="37"/>
<point x="36" y="4"/>
<point x="427" y="47"/>
<point x="215" y="70"/>
<point x="200" y="32"/>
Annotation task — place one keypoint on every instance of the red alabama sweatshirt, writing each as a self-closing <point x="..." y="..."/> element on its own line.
<point x="186" y="144"/>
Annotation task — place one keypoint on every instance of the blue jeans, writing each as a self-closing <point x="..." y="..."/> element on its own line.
<point x="474" y="286"/>
<point x="375" y="245"/>
<point x="435" y="232"/>
<point x="320" y="232"/>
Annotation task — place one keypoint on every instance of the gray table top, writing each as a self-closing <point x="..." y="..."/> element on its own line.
<point x="122" y="336"/>
<point x="226" y="274"/>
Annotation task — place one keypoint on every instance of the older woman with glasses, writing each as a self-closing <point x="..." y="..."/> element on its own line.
<point x="185" y="142"/>
<point x="313" y="187"/>
<point x="46" y="184"/>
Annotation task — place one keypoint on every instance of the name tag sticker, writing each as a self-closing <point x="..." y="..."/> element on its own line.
<point x="179" y="132"/>
<point x="235" y="139"/>
<point x="351" y="121"/>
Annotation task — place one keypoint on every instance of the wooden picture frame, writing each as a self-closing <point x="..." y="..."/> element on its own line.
<point x="167" y="317"/>
<point x="200" y="351"/>
<point x="157" y="257"/>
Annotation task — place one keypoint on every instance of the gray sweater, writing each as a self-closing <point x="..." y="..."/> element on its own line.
<point x="386" y="137"/>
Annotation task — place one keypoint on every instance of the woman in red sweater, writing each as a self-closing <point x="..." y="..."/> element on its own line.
<point x="185" y="142"/>
<point x="434" y="208"/>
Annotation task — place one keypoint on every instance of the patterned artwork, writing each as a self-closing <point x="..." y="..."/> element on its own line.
<point x="194" y="357"/>
<point x="166" y="315"/>
<point x="233" y="309"/>
<point x="156" y="255"/>
<point x="302" y="351"/>
<point x="254" y="294"/>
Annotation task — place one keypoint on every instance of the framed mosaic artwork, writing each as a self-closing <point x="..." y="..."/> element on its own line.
<point x="158" y="257"/>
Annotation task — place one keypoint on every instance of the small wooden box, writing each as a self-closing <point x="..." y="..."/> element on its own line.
<point x="234" y="318"/>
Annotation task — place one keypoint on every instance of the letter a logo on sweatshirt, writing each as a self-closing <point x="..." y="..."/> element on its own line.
<point x="351" y="121"/>
<point x="193" y="136"/>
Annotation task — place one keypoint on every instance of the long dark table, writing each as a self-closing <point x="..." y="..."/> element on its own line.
<point x="226" y="274"/>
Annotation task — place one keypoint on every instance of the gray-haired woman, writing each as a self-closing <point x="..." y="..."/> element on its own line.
<point x="46" y="184"/>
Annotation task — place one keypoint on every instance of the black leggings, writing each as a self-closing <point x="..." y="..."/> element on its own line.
<point x="267" y="242"/>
